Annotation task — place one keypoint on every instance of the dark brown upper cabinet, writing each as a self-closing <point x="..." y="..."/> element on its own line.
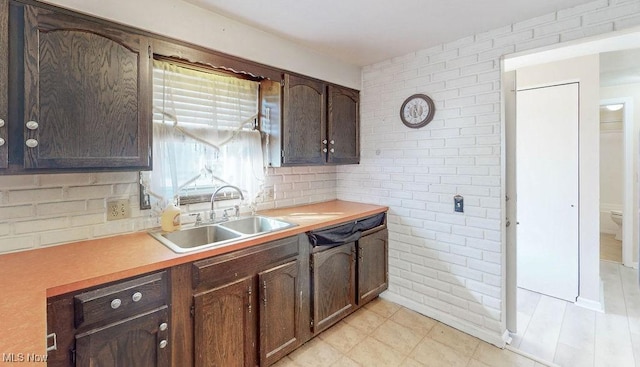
<point x="4" y="82"/>
<point x="320" y="123"/>
<point x="304" y="121"/>
<point x="343" y="126"/>
<point x="85" y="91"/>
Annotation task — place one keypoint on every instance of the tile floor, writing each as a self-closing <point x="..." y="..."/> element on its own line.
<point x="558" y="331"/>
<point x="385" y="334"/>
<point x="610" y="248"/>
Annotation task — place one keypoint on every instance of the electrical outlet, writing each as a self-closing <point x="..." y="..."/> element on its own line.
<point x="118" y="209"/>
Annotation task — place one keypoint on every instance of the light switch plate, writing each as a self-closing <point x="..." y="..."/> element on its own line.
<point x="118" y="209"/>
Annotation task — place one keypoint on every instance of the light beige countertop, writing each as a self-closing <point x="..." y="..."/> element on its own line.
<point x="28" y="278"/>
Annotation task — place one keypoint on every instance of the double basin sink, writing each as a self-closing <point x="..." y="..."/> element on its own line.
<point x="219" y="234"/>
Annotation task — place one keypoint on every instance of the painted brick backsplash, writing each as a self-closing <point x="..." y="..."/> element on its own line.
<point x="444" y="264"/>
<point x="45" y="210"/>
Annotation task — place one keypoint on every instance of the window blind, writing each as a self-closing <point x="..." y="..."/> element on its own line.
<point x="202" y="98"/>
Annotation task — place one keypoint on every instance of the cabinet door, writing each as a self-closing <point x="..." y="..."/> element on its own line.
<point x="279" y="312"/>
<point x="87" y="101"/>
<point x="304" y="122"/>
<point x="333" y="273"/>
<point x="224" y="325"/>
<point x="344" y="123"/>
<point x="4" y="82"/>
<point x="136" y="341"/>
<point x="372" y="265"/>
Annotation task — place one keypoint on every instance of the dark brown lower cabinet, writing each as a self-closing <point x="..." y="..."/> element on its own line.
<point x="247" y="305"/>
<point x="279" y="311"/>
<point x="333" y="274"/>
<point x="136" y="341"/>
<point x="125" y="323"/>
<point x="224" y="325"/>
<point x="373" y="271"/>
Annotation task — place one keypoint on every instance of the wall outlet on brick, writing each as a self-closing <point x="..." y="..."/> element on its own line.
<point x="118" y="209"/>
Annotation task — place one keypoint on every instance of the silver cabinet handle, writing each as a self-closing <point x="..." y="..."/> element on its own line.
<point x="324" y="142"/>
<point x="324" y="150"/>
<point x="332" y="142"/>
<point x="116" y="303"/>
<point x="163" y="344"/>
<point x="31" y="143"/>
<point x="32" y="125"/>
<point x="1" y="123"/>
<point x="1" y="142"/>
<point x="164" y="326"/>
<point x="136" y="297"/>
<point x="332" y="150"/>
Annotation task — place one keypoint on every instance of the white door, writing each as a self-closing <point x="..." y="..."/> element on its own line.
<point x="547" y="190"/>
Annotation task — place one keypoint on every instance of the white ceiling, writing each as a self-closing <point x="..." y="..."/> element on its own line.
<point x="362" y="32"/>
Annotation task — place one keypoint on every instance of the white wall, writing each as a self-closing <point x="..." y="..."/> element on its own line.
<point x="444" y="264"/>
<point x="184" y="21"/>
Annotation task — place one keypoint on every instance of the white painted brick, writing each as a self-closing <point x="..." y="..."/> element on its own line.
<point x="582" y="9"/>
<point x="484" y="267"/>
<point x="34" y="196"/>
<point x="10" y="244"/>
<point x="450" y="239"/>
<point x="494" y="33"/>
<point x="69" y="179"/>
<point x="586" y="32"/>
<point x="484" y="245"/>
<point x="557" y="27"/>
<point x="538" y="42"/>
<point x="64" y="236"/>
<point x="483" y="288"/>
<point x="627" y="22"/>
<point x="116" y="177"/>
<point x="530" y="23"/>
<point x="612" y="12"/>
<point x="466" y="293"/>
<point x="17" y="182"/>
<point x="16" y="212"/>
<point x="450" y="299"/>
<point x="89" y="192"/>
<point x="478" y="68"/>
<point x="41" y="225"/>
<point x="476" y="47"/>
<point x="446" y="75"/>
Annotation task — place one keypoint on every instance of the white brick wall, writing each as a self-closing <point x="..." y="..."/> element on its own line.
<point x="45" y="210"/>
<point x="444" y="264"/>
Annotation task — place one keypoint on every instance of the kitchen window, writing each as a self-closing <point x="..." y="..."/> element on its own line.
<point x="205" y="134"/>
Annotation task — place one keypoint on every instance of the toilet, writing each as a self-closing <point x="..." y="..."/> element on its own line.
<point x="616" y="216"/>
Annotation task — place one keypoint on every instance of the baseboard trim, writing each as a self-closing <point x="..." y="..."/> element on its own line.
<point x="590" y="304"/>
<point x="497" y="339"/>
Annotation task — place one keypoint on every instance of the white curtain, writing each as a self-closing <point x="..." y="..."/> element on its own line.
<point x="203" y="134"/>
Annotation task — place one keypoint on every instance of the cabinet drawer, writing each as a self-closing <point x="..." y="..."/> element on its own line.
<point x="122" y="299"/>
<point x="223" y="269"/>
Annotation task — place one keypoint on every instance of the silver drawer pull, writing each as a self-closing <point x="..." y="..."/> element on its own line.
<point x="116" y="303"/>
<point x="164" y="326"/>
<point x="163" y="344"/>
<point x="1" y="123"/>
<point x="136" y="297"/>
<point x="31" y="143"/>
<point x="32" y="125"/>
<point x="1" y="142"/>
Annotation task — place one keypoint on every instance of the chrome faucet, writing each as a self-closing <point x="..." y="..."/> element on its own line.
<point x="213" y="200"/>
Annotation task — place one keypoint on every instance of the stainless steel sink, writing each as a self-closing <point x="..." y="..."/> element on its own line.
<point x="256" y="225"/>
<point x="220" y="234"/>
